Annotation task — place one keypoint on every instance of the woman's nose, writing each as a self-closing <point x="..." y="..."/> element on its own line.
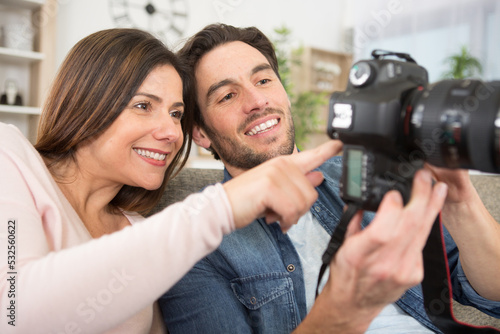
<point x="167" y="128"/>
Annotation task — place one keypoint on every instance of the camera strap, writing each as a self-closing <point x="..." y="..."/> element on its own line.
<point x="336" y="241"/>
<point x="436" y="285"/>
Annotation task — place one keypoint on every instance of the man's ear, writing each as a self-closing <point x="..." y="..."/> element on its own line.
<point x="200" y="137"/>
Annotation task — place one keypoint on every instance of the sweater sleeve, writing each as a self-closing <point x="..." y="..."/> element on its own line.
<point x="98" y="284"/>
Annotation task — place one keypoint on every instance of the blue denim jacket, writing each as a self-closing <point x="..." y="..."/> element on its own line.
<point x="253" y="282"/>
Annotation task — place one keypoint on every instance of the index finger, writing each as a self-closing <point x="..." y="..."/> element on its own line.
<point x="313" y="158"/>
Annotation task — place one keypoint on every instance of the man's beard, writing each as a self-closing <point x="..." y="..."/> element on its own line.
<point x="244" y="157"/>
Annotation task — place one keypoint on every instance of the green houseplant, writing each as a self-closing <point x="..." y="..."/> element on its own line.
<point x="306" y="106"/>
<point x="462" y="65"/>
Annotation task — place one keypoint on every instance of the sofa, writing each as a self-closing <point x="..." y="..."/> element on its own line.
<point x="191" y="180"/>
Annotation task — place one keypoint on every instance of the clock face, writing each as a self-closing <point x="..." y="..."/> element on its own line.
<point x="166" y="19"/>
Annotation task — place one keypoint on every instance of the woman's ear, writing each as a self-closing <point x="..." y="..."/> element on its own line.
<point x="200" y="137"/>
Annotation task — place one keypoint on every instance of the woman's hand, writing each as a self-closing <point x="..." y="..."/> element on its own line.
<point x="281" y="189"/>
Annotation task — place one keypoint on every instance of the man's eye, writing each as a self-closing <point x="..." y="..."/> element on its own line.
<point x="227" y="97"/>
<point x="263" y="81"/>
<point x="177" y="114"/>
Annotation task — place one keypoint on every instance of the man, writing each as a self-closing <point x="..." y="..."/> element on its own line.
<point x="261" y="280"/>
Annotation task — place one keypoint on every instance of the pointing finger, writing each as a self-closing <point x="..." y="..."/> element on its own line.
<point x="311" y="159"/>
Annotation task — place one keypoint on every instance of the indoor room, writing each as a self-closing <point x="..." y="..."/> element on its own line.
<point x="402" y="86"/>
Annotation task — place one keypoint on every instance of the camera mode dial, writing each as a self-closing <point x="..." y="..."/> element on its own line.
<point x="360" y="74"/>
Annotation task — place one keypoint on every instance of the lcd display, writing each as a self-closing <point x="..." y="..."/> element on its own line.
<point x="354" y="163"/>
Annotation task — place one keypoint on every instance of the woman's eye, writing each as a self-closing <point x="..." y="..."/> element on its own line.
<point x="177" y="114"/>
<point x="144" y="106"/>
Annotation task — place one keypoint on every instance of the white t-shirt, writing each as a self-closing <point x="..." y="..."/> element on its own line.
<point x="310" y="240"/>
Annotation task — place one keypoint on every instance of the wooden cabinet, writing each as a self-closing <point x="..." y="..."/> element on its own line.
<point x="27" y="61"/>
<point x="321" y="71"/>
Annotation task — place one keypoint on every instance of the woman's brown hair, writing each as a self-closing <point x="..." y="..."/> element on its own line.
<point x="94" y="84"/>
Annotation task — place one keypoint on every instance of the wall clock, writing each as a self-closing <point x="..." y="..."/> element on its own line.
<point x="166" y="19"/>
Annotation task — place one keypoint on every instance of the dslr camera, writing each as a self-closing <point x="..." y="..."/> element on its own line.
<point x="392" y="121"/>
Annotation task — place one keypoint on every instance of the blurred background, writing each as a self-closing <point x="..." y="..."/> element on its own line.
<point x="317" y="42"/>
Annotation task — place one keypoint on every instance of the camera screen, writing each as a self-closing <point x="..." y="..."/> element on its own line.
<point x="354" y="163"/>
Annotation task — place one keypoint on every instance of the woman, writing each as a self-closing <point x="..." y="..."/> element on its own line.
<point x="80" y="259"/>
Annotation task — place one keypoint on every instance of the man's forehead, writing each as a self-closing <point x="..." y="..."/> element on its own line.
<point x="228" y="58"/>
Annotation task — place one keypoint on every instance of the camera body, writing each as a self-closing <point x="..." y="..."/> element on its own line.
<point x="392" y="121"/>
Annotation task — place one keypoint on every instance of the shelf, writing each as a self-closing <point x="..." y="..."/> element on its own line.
<point x="27" y="4"/>
<point x="28" y="59"/>
<point x="19" y="110"/>
<point x="322" y="71"/>
<point x="19" y="56"/>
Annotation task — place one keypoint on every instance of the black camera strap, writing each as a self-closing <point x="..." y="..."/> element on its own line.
<point x="436" y="285"/>
<point x="336" y="241"/>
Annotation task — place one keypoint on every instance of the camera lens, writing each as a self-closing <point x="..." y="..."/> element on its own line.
<point x="456" y="124"/>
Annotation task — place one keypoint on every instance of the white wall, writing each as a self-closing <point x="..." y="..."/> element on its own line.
<point x="430" y="31"/>
<point x="316" y="23"/>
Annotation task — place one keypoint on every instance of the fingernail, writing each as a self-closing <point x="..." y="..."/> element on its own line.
<point x="441" y="189"/>
<point x="395" y="197"/>
<point x="425" y="175"/>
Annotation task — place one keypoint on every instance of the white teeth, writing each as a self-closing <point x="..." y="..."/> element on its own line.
<point x="151" y="155"/>
<point x="262" y="127"/>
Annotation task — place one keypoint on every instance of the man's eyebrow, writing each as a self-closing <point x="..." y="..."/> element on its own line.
<point x="218" y="85"/>
<point x="261" y="67"/>
<point x="225" y="82"/>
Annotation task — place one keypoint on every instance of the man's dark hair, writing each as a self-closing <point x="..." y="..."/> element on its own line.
<point x="215" y="35"/>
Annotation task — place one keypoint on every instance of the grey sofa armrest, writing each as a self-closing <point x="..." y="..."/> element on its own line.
<point x="191" y="180"/>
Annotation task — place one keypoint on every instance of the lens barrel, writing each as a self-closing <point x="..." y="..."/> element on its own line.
<point x="456" y="124"/>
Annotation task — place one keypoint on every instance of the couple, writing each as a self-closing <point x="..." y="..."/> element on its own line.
<point x="114" y="128"/>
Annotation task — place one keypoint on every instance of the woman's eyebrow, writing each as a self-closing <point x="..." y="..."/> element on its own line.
<point x="151" y="96"/>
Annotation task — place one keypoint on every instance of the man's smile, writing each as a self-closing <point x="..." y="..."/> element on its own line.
<point x="263" y="127"/>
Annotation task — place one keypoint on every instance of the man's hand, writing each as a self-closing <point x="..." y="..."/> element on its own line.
<point x="459" y="184"/>
<point x="473" y="229"/>
<point x="281" y="189"/>
<point x="375" y="266"/>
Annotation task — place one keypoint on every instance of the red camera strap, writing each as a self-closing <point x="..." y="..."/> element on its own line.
<point x="436" y="287"/>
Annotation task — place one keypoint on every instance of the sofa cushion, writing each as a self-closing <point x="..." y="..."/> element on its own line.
<point x="188" y="181"/>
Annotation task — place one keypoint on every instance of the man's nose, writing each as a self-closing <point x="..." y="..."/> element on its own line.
<point x="254" y="100"/>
